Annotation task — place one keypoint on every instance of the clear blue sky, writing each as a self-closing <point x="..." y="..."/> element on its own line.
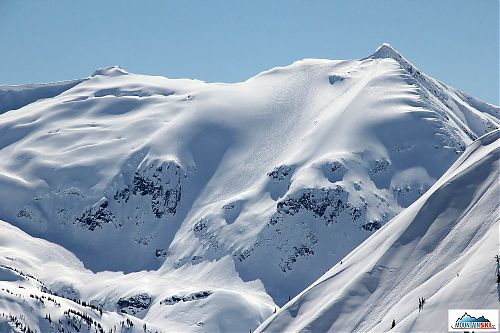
<point x="456" y="41"/>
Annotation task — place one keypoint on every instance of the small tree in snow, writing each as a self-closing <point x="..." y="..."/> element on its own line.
<point x="497" y="257"/>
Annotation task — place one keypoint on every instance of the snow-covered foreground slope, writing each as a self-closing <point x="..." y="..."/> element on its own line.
<point x="243" y="193"/>
<point x="38" y="279"/>
<point x="441" y="248"/>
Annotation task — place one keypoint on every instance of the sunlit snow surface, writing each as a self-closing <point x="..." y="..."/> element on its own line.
<point x="204" y="206"/>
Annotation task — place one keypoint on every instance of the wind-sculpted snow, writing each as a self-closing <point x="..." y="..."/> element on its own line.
<point x="270" y="181"/>
<point x="441" y="248"/>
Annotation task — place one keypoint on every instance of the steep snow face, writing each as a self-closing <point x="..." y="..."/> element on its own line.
<point x="441" y="248"/>
<point x="281" y="175"/>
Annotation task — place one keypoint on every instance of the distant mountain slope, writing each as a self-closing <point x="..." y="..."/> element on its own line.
<point x="441" y="248"/>
<point x="18" y="96"/>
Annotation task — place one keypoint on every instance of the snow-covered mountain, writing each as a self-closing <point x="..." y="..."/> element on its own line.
<point x="206" y="206"/>
<point x="441" y="249"/>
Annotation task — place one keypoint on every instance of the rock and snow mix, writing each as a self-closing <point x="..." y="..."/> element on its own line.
<point x="441" y="248"/>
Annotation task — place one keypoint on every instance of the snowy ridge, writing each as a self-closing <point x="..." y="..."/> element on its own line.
<point x="442" y="243"/>
<point x="179" y="200"/>
<point x="463" y="107"/>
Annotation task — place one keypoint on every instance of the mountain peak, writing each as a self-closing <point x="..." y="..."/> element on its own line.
<point x="110" y="71"/>
<point x="386" y="51"/>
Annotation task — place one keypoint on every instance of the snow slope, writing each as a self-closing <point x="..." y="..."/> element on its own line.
<point x="208" y="301"/>
<point x="249" y="191"/>
<point x="441" y="248"/>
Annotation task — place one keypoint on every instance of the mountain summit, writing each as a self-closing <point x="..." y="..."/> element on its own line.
<point x="110" y="71"/>
<point x="386" y="51"/>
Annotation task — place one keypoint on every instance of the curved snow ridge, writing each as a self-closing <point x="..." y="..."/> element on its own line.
<point x="487" y="139"/>
<point x="442" y="243"/>
<point x="484" y="143"/>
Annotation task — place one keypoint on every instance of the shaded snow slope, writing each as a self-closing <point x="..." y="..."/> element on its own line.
<point x="270" y="181"/>
<point x="441" y="248"/>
